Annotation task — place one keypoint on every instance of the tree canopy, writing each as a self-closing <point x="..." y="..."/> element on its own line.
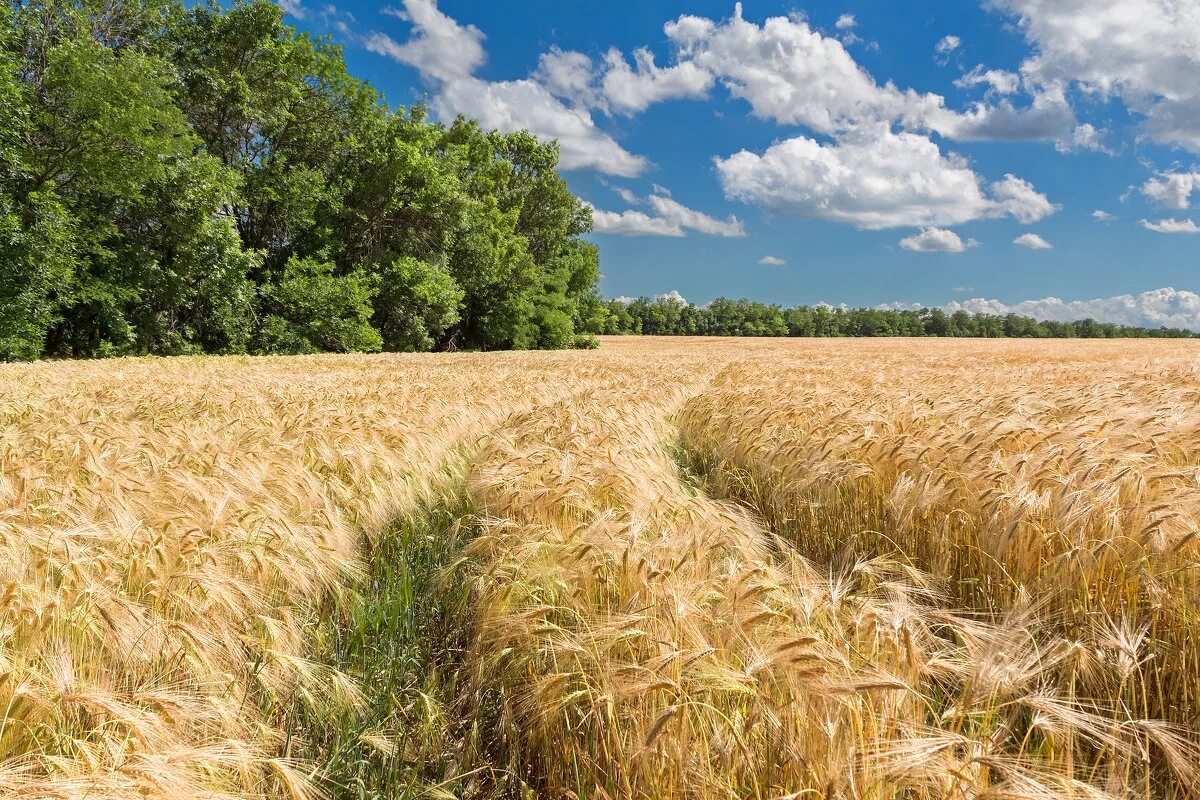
<point x="208" y="179"/>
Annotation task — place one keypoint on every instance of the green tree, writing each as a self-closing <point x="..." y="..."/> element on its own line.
<point x="415" y="305"/>
<point x="310" y="309"/>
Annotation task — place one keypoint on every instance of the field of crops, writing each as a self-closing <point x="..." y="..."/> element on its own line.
<point x="669" y="568"/>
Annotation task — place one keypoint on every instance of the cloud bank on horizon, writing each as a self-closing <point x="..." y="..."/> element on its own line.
<point x="853" y="150"/>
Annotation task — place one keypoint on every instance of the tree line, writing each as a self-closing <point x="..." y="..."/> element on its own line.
<point x="669" y="316"/>
<point x="180" y="179"/>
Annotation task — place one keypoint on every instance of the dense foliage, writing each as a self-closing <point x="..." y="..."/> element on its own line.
<point x="180" y="180"/>
<point x="668" y="316"/>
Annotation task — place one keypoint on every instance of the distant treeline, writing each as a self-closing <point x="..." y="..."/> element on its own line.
<point x="192" y="178"/>
<point x="668" y="316"/>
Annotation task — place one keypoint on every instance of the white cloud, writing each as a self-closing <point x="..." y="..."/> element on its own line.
<point x="447" y="54"/>
<point x="1086" y="136"/>
<point x="292" y="7"/>
<point x="1048" y="117"/>
<point x="772" y="261"/>
<point x="998" y="80"/>
<point x="567" y="74"/>
<point x="1142" y="51"/>
<point x="438" y="47"/>
<point x="527" y="105"/>
<point x="792" y="74"/>
<point x="1103" y="216"/>
<point x="632" y="90"/>
<point x="672" y="296"/>
<point x="1171" y="226"/>
<point x="1172" y="189"/>
<point x="671" y="218"/>
<point x="664" y="191"/>
<point x="947" y="44"/>
<point x="633" y="223"/>
<point x="1018" y="198"/>
<point x="681" y="215"/>
<point x="845" y="22"/>
<point x="1032" y="241"/>
<point x="626" y="195"/>
<point x="873" y="179"/>
<point x="936" y="240"/>
<point x="963" y="289"/>
<point x="1152" y="309"/>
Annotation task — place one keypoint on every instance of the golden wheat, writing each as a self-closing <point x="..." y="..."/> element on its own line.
<point x="940" y="569"/>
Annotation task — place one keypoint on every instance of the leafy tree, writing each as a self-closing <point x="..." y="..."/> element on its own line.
<point x="310" y="309"/>
<point x="416" y="303"/>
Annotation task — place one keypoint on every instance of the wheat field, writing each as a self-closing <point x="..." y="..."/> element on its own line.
<point x="669" y="568"/>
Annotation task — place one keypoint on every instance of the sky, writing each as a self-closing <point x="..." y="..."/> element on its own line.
<point x="1040" y="156"/>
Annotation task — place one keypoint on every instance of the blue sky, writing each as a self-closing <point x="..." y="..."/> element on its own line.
<point x="1039" y="155"/>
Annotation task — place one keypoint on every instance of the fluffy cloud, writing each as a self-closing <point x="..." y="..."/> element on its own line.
<point x="1048" y="117"/>
<point x="791" y="73"/>
<point x="1032" y="241"/>
<point x="632" y="223"/>
<point x="845" y="22"/>
<point x="1172" y="189"/>
<point x="772" y="261"/>
<point x="1153" y="309"/>
<point x="447" y="54"/>
<point x="671" y="218"/>
<point x="998" y="80"/>
<point x="947" y="44"/>
<point x="567" y="74"/>
<point x="439" y="47"/>
<point x="632" y="90"/>
<point x="1018" y="197"/>
<point x="1171" y="226"/>
<point x="936" y="240"/>
<point x="873" y="179"/>
<point x="527" y="105"/>
<point x="681" y="215"/>
<point x="1142" y="51"/>
<point x="1102" y="216"/>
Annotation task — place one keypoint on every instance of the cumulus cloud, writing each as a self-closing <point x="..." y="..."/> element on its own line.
<point x="672" y="296"/>
<point x="792" y="74"/>
<point x="439" y="47"/>
<point x="997" y="80"/>
<point x="633" y="223"/>
<point x="947" y="44"/>
<point x="936" y="240"/>
<point x="1172" y="189"/>
<point x="874" y="179"/>
<point x="845" y="22"/>
<point x="1153" y="309"/>
<point x="772" y="261"/>
<point x="527" y="105"/>
<point x="1102" y="216"/>
<point x="1032" y="241"/>
<point x="1171" y="226"/>
<point x="1018" y="197"/>
<point x="688" y="218"/>
<point x="630" y="90"/>
<point x="567" y="74"/>
<point x="670" y="218"/>
<point x="447" y="54"/>
<point x="1143" y="51"/>
<point x="1047" y="117"/>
